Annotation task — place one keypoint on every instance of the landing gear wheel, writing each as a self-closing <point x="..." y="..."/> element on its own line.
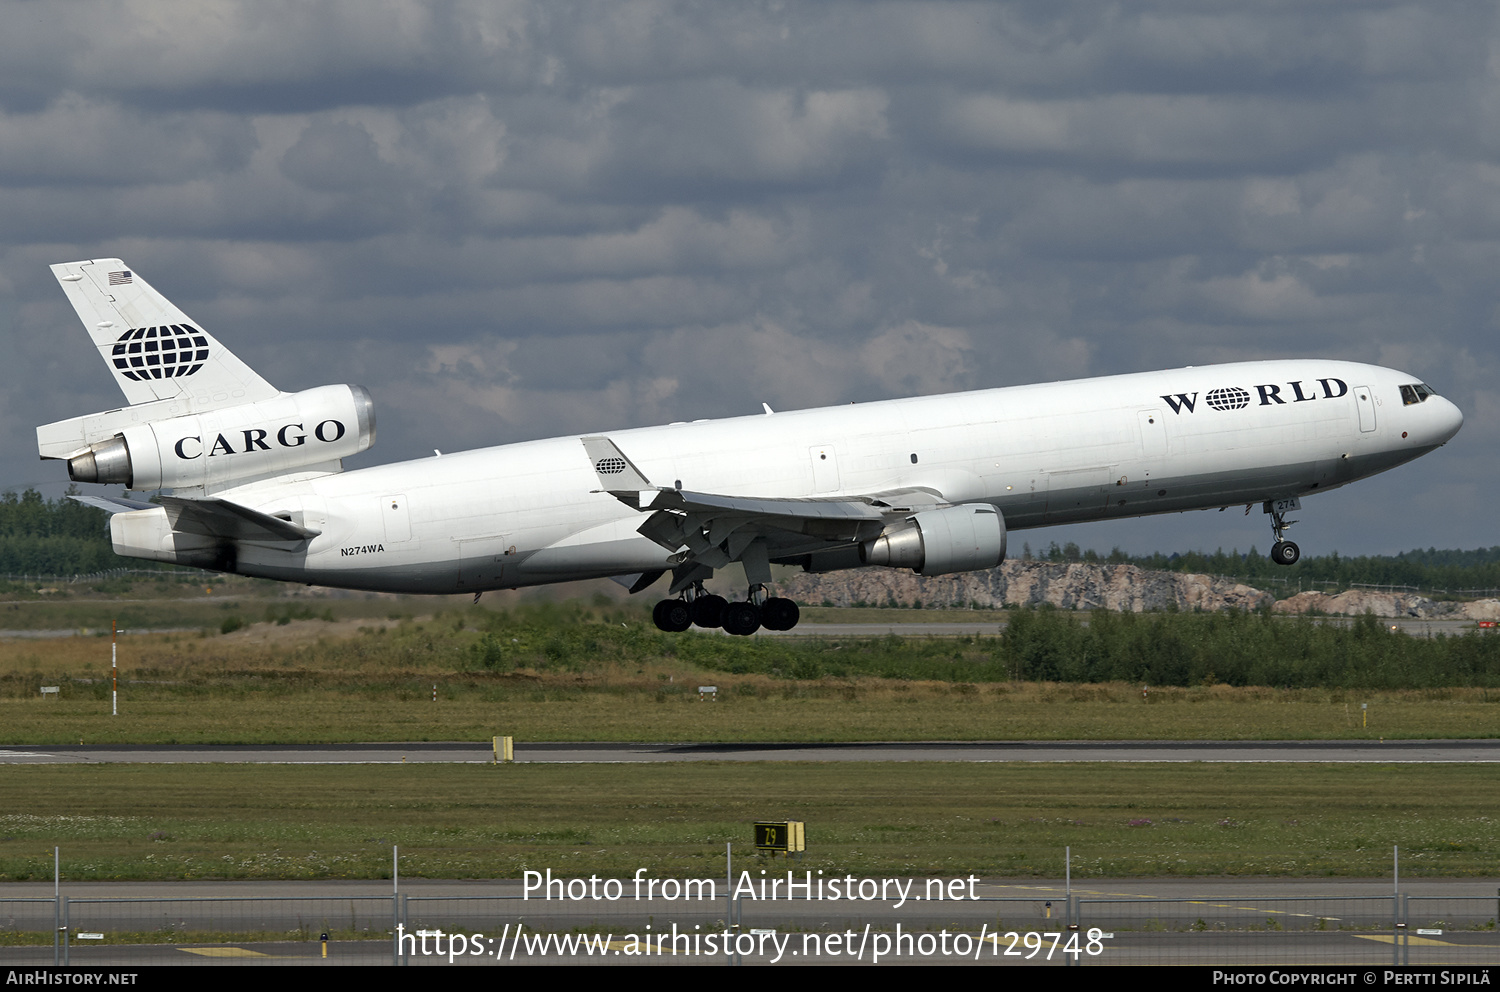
<point x="777" y="613"/>
<point x="672" y="615"/>
<point x="708" y="611"/>
<point x="1285" y="553"/>
<point x="741" y="619"/>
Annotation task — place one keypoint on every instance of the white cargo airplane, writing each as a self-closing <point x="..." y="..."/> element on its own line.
<point x="931" y="483"/>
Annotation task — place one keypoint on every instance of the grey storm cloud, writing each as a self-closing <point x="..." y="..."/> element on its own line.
<point x="338" y="156"/>
<point x="518" y="219"/>
<point x="77" y="141"/>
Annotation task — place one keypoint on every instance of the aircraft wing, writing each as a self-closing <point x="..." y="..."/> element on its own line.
<point x="712" y="529"/>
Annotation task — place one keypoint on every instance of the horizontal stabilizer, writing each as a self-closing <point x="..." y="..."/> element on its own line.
<point x="111" y="504"/>
<point x="228" y="521"/>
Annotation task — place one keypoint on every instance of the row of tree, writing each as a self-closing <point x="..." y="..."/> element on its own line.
<point x="53" y="537"/>
<point x="1431" y="569"/>
<point x="1241" y="649"/>
<point x="1038" y="645"/>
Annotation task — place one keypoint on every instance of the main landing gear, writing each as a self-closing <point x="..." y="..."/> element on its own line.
<point x="1283" y="552"/>
<point x="742" y="618"/>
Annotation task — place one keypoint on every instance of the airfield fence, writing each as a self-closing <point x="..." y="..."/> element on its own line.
<point x="1061" y="930"/>
<point x="176" y="573"/>
<point x="1397" y="929"/>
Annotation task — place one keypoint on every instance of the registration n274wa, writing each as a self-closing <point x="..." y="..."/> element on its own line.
<point x="253" y="482"/>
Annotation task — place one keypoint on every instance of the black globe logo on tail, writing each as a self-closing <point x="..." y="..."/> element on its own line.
<point x="144" y="353"/>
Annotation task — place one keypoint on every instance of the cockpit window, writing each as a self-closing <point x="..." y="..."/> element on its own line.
<point x="1416" y="393"/>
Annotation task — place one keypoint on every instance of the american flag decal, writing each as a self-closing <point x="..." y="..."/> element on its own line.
<point x="119" y="278"/>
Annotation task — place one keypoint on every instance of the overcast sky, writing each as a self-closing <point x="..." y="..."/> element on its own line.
<point x="519" y="220"/>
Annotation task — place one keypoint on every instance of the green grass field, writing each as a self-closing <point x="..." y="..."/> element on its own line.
<point x="602" y="673"/>
<point x="291" y="672"/>
<point x="908" y="819"/>
<point x="750" y="709"/>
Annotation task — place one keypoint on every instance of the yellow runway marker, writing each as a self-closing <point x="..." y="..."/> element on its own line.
<point x="224" y="952"/>
<point x="620" y="945"/>
<point x="1260" y="909"/>
<point x="1097" y="893"/>
<point x="1413" y="941"/>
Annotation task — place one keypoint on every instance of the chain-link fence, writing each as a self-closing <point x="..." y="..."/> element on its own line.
<point x="1063" y="930"/>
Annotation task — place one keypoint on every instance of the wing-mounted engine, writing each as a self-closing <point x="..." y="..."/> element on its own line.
<point x="963" y="538"/>
<point x="217" y="448"/>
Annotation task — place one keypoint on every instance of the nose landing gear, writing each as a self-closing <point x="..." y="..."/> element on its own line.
<point x="1283" y="552"/>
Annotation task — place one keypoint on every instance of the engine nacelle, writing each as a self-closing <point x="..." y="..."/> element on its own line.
<point x="235" y="444"/>
<point x="963" y="538"/>
<point x="149" y="534"/>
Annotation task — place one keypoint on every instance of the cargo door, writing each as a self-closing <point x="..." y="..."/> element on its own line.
<point x="397" y="517"/>
<point x="1364" y="401"/>
<point x="825" y="468"/>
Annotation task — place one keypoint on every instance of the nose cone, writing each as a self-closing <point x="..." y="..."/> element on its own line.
<point x="1447" y="419"/>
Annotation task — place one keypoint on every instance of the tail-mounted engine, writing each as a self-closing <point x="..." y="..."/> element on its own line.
<point x="218" y="448"/>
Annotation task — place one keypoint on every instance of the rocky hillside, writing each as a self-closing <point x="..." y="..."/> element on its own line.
<point x="1387" y="604"/>
<point x="1080" y="586"/>
<point x="1075" y="586"/>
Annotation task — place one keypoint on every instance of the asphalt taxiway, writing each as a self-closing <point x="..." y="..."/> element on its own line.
<point x="461" y="752"/>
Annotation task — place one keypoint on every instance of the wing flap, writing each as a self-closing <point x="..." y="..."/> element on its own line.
<point x="846" y="508"/>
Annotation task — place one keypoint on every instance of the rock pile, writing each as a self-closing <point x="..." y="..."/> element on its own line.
<point x="1069" y="586"/>
<point x="1083" y="586"/>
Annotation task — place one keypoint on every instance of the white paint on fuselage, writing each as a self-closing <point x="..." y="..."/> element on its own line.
<point x="1043" y="454"/>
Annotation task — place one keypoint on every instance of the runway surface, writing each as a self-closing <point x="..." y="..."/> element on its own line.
<point x="459" y="752"/>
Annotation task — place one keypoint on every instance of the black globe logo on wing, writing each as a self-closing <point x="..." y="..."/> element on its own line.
<point x="143" y="353"/>
<point x="1228" y="398"/>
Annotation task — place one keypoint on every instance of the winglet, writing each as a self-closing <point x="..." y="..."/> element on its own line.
<point x="618" y="475"/>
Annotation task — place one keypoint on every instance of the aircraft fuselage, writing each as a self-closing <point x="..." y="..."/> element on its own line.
<point x="1063" y="452"/>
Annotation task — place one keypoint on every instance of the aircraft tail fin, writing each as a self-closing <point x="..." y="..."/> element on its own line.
<point x="154" y="351"/>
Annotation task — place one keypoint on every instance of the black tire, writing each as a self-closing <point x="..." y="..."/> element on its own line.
<point x="777" y="613"/>
<point x="741" y="619"/>
<point x="708" y="611"/>
<point x="672" y="615"/>
<point x="1285" y="553"/>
